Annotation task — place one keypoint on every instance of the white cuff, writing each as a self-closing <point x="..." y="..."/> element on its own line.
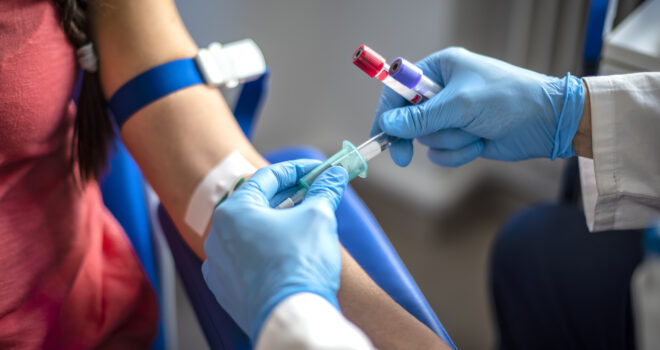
<point x="621" y="186"/>
<point x="307" y="321"/>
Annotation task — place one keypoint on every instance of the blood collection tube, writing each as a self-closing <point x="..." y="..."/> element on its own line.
<point x="414" y="87"/>
<point x="412" y="77"/>
<point x="375" y="65"/>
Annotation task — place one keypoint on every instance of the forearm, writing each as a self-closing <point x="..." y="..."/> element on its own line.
<point x="176" y="153"/>
<point x="386" y="323"/>
<point x="178" y="139"/>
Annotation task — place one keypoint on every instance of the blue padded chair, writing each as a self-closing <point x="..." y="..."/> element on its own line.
<point x="123" y="190"/>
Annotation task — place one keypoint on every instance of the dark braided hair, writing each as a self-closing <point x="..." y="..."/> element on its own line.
<point x="93" y="129"/>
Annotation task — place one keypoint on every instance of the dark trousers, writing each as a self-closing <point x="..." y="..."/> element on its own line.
<point x="556" y="286"/>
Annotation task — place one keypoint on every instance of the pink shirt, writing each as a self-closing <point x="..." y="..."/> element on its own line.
<point x="69" y="278"/>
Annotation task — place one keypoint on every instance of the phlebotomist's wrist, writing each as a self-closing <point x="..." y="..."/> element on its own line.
<point x="582" y="140"/>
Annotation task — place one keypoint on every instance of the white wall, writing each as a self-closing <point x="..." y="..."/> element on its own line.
<point x="319" y="98"/>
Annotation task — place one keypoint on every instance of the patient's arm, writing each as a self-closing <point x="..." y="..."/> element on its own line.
<point x="388" y="325"/>
<point x="178" y="139"/>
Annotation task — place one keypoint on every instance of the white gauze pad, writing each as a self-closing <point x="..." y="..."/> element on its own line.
<point x="218" y="182"/>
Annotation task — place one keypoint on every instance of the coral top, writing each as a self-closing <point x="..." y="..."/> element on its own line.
<point x="69" y="278"/>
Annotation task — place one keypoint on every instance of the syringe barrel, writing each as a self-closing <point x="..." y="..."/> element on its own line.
<point x="375" y="145"/>
<point x="349" y="158"/>
<point x="412" y="77"/>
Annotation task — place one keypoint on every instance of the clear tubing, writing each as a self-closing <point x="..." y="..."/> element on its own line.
<point x="412" y="77"/>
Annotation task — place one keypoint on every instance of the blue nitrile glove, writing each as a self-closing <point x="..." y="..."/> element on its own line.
<point x="256" y="255"/>
<point x="487" y="108"/>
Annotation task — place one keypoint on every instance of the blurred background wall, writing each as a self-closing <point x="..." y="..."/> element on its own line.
<point x="319" y="98"/>
<point x="441" y="220"/>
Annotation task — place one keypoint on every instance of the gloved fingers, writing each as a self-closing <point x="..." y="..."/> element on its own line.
<point x="448" y="139"/>
<point x="406" y="122"/>
<point x="282" y="195"/>
<point x="449" y="109"/>
<point x="458" y="157"/>
<point x="268" y="181"/>
<point x="436" y="67"/>
<point x="440" y="65"/>
<point x="401" y="152"/>
<point x="327" y="188"/>
<point x="388" y="100"/>
<point x="432" y="68"/>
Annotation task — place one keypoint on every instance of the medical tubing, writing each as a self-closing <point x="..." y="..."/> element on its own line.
<point x="412" y="77"/>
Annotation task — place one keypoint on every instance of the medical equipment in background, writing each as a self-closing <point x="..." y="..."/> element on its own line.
<point x="634" y="45"/>
<point x="645" y="292"/>
<point x="404" y="78"/>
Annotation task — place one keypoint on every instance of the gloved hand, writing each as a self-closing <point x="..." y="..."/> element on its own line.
<point x="256" y="255"/>
<point x="487" y="108"/>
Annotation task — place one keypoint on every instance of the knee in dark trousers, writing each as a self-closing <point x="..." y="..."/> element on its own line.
<point x="555" y="285"/>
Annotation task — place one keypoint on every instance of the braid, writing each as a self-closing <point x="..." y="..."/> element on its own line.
<point x="73" y="20"/>
<point x="93" y="129"/>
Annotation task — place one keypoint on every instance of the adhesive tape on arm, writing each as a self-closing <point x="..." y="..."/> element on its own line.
<point x="213" y="187"/>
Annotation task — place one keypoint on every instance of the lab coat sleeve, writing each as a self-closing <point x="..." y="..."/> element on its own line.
<point x="307" y="321"/>
<point x="621" y="185"/>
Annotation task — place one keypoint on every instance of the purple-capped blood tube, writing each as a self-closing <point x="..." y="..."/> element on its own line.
<point x="412" y="77"/>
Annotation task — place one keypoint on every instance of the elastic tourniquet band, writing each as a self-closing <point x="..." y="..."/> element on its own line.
<point x="152" y="85"/>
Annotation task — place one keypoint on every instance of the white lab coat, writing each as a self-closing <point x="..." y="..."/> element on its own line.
<point x="621" y="185"/>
